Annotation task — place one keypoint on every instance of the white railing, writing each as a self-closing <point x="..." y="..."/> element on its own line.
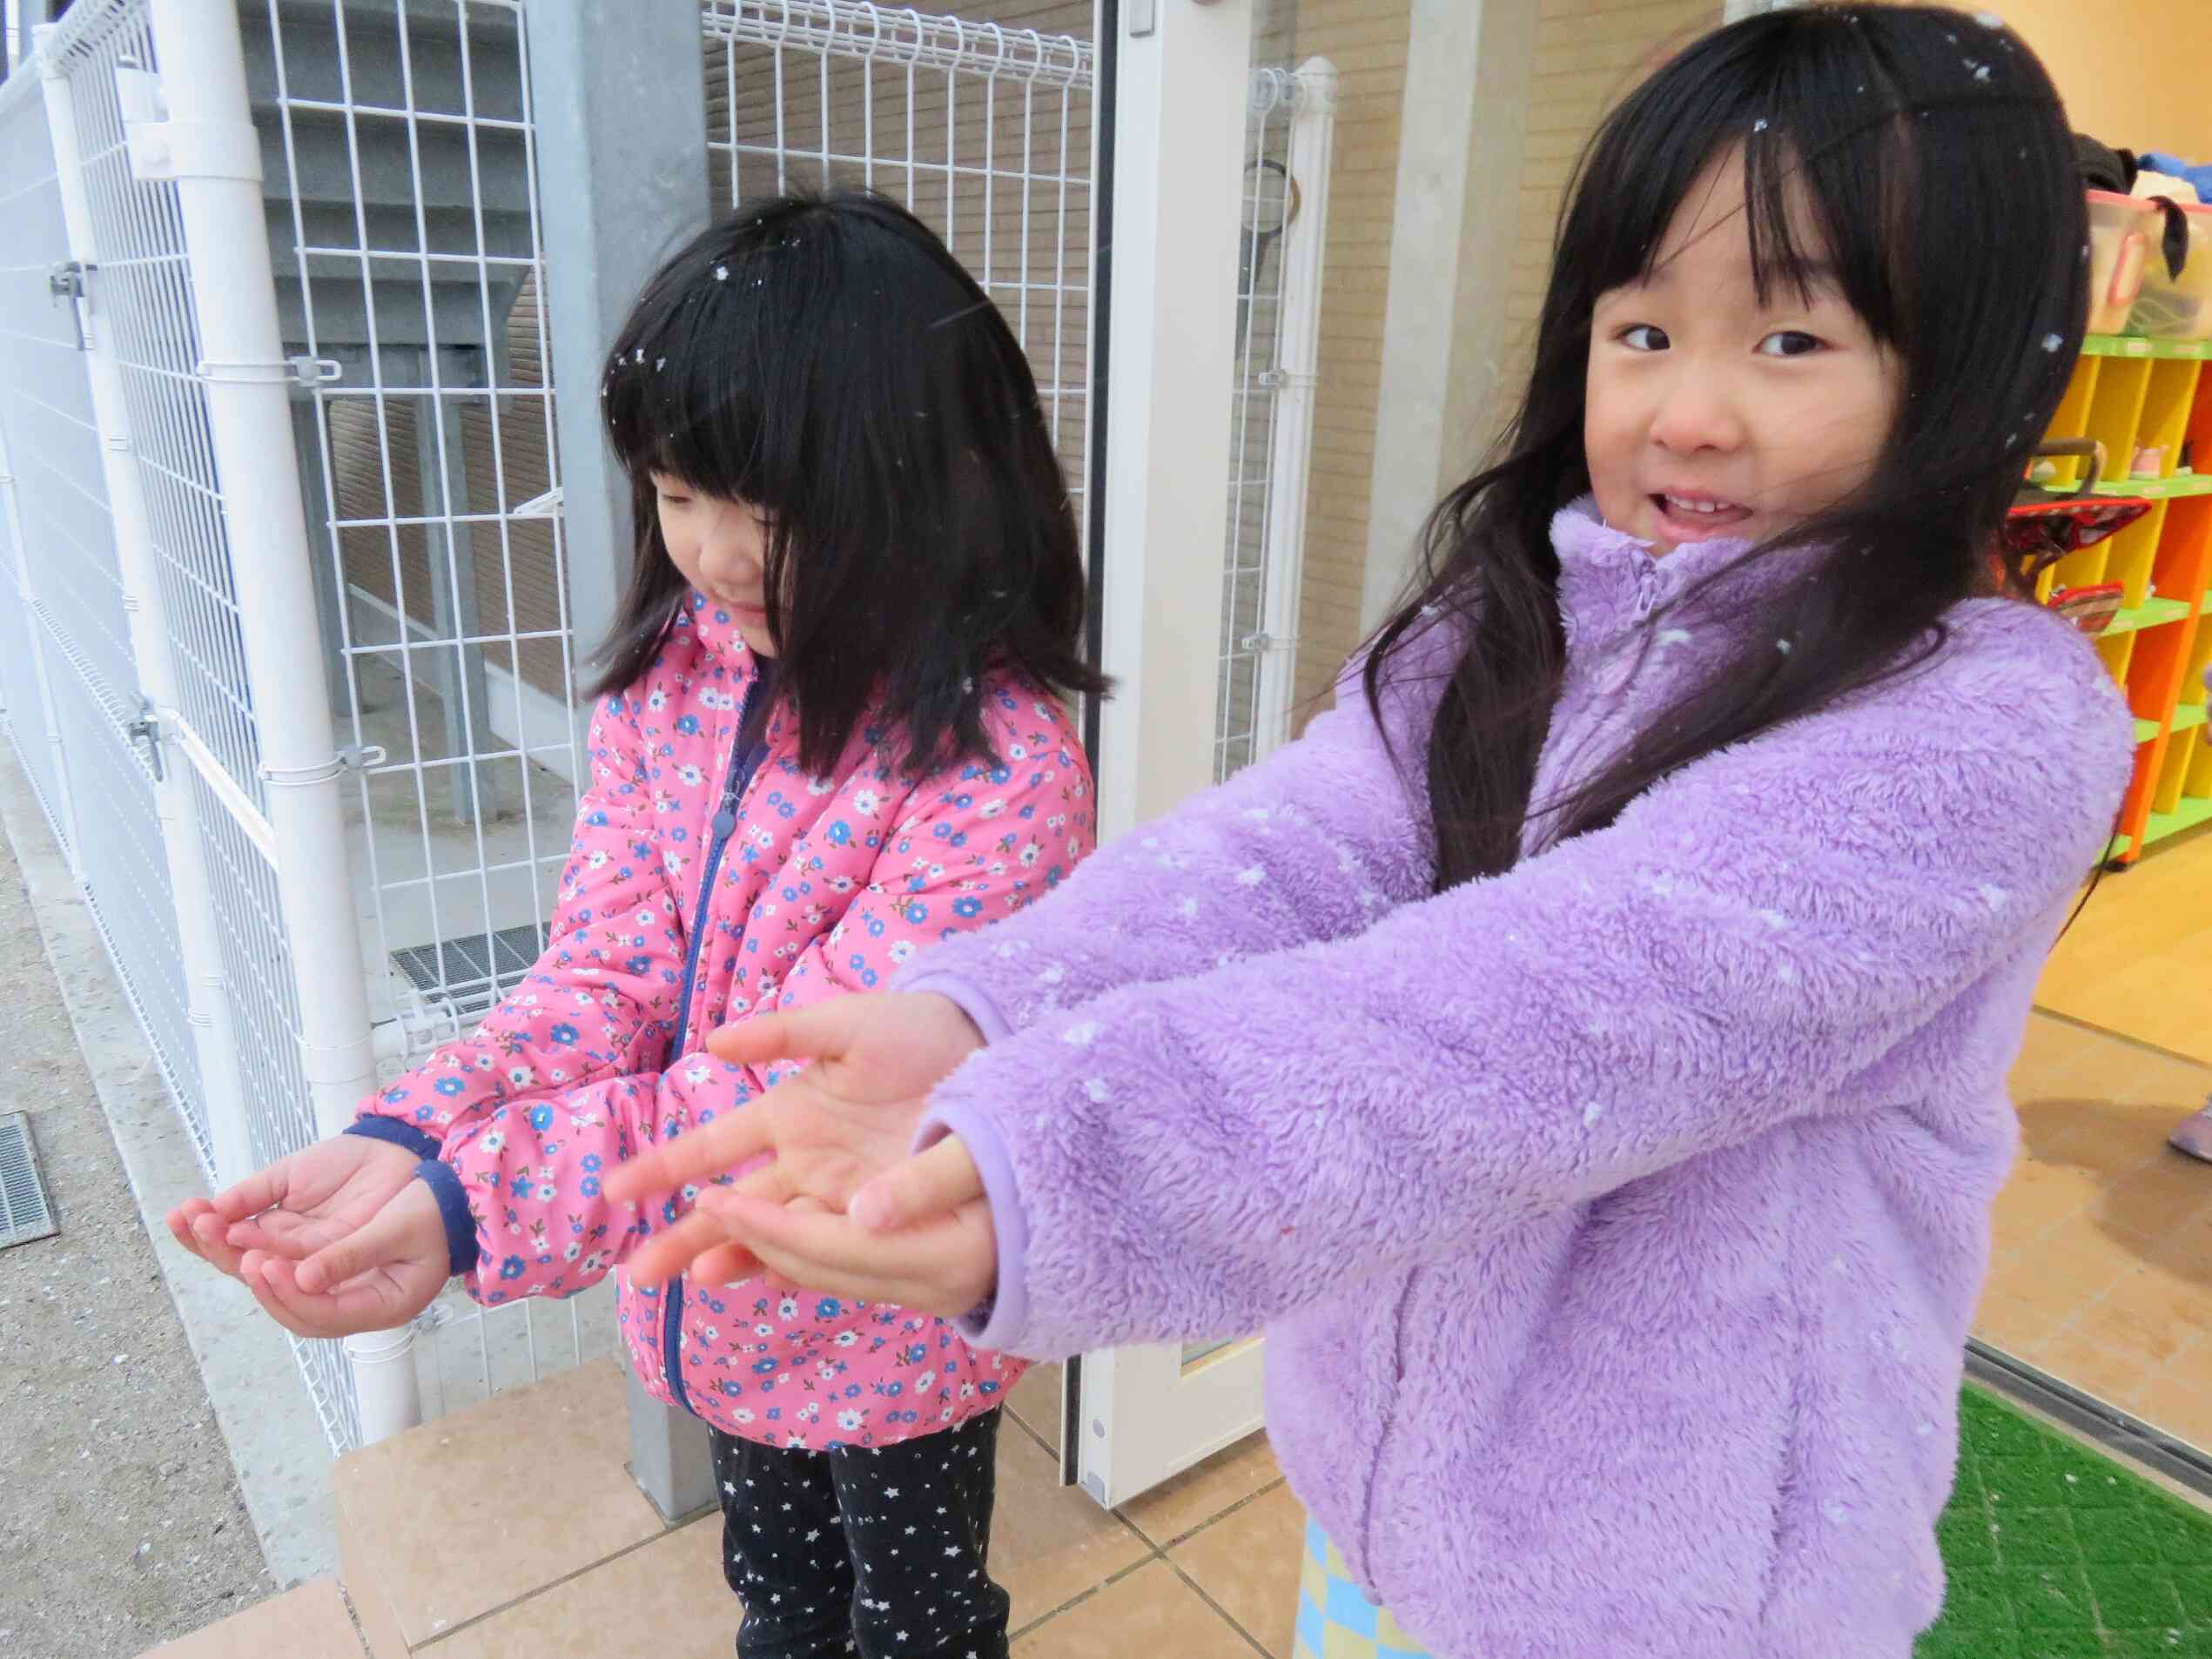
<point x="223" y="712"/>
<point x="983" y="132"/>
<point x="308" y="731"/>
<point x="1289" y="140"/>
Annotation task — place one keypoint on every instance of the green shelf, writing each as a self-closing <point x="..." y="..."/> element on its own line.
<point x="2187" y="717"/>
<point x="2198" y="351"/>
<point x="2159" y="489"/>
<point x="2192" y="810"/>
<point x="2152" y="613"/>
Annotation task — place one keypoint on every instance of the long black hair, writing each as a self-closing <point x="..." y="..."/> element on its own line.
<point x="827" y="361"/>
<point x="1928" y="153"/>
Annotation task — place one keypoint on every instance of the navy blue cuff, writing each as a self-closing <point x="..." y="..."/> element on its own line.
<point x="453" y="1206"/>
<point x="393" y="1133"/>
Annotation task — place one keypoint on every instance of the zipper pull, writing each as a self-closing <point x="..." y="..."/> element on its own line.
<point x="1647" y="596"/>
<point x="726" y="820"/>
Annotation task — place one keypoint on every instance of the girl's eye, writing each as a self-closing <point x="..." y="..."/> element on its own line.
<point x="1788" y="342"/>
<point x="1643" y="336"/>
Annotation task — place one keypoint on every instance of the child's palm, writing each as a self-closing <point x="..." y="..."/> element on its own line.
<point x="299" y="1205"/>
<point x="830" y="1129"/>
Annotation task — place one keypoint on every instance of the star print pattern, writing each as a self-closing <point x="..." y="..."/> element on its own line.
<point x="869" y="1575"/>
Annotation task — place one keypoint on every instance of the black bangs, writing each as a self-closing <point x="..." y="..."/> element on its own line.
<point x="827" y="361"/>
<point x="1919" y="159"/>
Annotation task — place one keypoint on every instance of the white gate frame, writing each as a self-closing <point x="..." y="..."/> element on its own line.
<point x="1179" y="156"/>
<point x="209" y="1010"/>
<point x="203" y="138"/>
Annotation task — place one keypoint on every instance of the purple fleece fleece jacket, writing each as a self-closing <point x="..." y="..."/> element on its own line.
<point x="1615" y="1223"/>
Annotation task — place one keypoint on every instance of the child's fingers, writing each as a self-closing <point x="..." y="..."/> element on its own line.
<point x="698" y="1156"/>
<point x="362" y="1304"/>
<point x="727" y="1264"/>
<point x="821" y="1032"/>
<point x="180" y="1223"/>
<point x="265" y="1189"/>
<point x="396" y="1232"/>
<point x="252" y="1272"/>
<point x="671" y="1250"/>
<point x="213" y="1247"/>
<point x="802" y="1234"/>
<point x="282" y="1234"/>
<point x="926" y="1186"/>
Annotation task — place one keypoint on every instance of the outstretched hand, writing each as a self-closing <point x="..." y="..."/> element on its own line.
<point x="337" y="1238"/>
<point x="840" y="1133"/>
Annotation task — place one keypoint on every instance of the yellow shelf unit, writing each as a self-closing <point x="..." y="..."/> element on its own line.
<point x="2132" y="395"/>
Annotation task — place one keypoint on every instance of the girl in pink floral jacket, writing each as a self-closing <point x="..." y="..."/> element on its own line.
<point x="832" y="735"/>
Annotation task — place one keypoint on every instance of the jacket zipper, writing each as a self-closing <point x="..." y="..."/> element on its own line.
<point x="744" y="761"/>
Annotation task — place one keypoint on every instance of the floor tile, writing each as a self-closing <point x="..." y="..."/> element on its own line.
<point x="1050" y="1543"/>
<point x="666" y="1601"/>
<point x="1036" y="1401"/>
<point x="2014" y="1326"/>
<point x="556" y="1452"/>
<point x="1149" y="1615"/>
<point x="2178" y="1399"/>
<point x="2091" y="1366"/>
<point x="2139" y="958"/>
<point x="1201" y="1493"/>
<point x="2068" y="1267"/>
<point x="1249" y="1563"/>
<point x="310" y="1623"/>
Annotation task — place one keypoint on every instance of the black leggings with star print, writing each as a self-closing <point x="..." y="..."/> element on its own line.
<point x="883" y="1553"/>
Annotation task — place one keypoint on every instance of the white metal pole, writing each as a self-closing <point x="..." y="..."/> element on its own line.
<point x="1313" y="133"/>
<point x="1169" y="376"/>
<point x="208" y="1005"/>
<point x="1179" y="153"/>
<point x="214" y="156"/>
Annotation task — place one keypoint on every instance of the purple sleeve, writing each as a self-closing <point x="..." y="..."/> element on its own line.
<point x="1197" y="1156"/>
<point x="1311" y="843"/>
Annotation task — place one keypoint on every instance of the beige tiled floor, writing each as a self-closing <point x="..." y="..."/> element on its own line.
<point x="2101" y="1274"/>
<point x="310" y="1623"/>
<point x="563" y="1558"/>
<point x="2139" y="962"/>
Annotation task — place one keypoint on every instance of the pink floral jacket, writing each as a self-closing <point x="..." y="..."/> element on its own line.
<point x="705" y="886"/>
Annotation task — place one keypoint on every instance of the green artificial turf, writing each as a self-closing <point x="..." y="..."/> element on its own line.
<point x="2056" y="1553"/>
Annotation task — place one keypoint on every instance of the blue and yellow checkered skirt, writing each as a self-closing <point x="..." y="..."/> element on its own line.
<point x="1335" y="1620"/>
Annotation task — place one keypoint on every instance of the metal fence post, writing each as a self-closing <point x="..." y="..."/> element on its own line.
<point x="628" y="191"/>
<point x="209" y="1008"/>
<point x="214" y="156"/>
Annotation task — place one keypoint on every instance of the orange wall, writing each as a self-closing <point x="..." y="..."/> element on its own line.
<point x="2136" y="73"/>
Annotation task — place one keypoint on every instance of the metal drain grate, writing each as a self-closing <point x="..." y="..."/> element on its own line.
<point x="465" y="972"/>
<point x="25" y="1213"/>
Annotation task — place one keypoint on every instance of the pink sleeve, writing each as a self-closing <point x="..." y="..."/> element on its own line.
<point x="598" y="1002"/>
<point x="530" y="1171"/>
<point x="975" y="844"/>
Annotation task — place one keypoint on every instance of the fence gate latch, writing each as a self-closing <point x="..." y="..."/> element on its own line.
<point x="67" y="282"/>
<point x="146" y="729"/>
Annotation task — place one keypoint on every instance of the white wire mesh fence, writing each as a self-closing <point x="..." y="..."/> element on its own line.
<point x="402" y="213"/>
<point x="1287" y="150"/>
<point x="982" y="128"/>
<point x="402" y="292"/>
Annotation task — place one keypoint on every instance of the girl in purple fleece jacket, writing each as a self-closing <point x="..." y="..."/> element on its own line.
<point x="1584" y="1051"/>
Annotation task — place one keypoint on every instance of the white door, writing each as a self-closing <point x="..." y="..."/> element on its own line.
<point x="1172" y="98"/>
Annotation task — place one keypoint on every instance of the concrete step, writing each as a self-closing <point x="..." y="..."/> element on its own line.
<point x="487" y="79"/>
<point x="310" y="1623"/>
<point x="376" y="160"/>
